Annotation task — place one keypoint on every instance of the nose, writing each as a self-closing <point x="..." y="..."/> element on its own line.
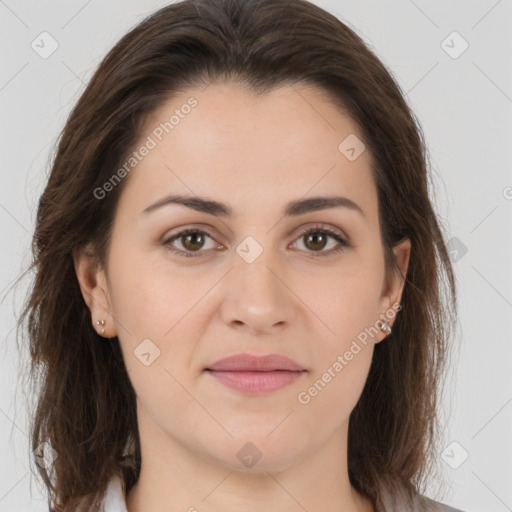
<point x="256" y="296"/>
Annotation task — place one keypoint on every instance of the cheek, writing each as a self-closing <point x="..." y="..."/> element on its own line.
<point x="158" y="312"/>
<point x="348" y="306"/>
<point x="149" y="299"/>
<point x="335" y="386"/>
<point x="344" y="351"/>
<point x="157" y="337"/>
<point x="348" y="301"/>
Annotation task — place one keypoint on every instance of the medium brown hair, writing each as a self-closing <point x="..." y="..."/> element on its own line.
<point x="86" y="407"/>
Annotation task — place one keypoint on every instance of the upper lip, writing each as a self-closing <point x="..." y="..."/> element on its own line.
<point x="261" y="363"/>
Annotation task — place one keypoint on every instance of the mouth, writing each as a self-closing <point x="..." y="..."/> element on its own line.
<point x="251" y="363"/>
<point x="256" y="382"/>
<point x="256" y="374"/>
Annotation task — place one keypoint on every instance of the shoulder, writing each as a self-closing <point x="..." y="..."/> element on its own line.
<point x="436" y="506"/>
<point x="114" y="499"/>
<point x="446" y="508"/>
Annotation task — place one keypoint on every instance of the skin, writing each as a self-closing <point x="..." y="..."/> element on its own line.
<point x="255" y="154"/>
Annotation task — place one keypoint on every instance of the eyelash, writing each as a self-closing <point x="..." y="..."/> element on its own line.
<point x="343" y="244"/>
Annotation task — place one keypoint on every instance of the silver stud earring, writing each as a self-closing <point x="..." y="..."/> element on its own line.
<point x="385" y="327"/>
<point x="102" y="323"/>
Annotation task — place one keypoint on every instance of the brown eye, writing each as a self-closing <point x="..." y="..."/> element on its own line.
<point x="316" y="239"/>
<point x="191" y="240"/>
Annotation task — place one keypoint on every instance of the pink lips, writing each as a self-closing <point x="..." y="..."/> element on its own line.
<point x="256" y="374"/>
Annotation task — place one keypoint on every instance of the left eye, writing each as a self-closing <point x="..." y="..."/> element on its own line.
<point x="193" y="240"/>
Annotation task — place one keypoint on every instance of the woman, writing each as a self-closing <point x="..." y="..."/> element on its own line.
<point x="243" y="296"/>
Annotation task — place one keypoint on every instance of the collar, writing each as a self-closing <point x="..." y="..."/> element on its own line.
<point x="115" y="498"/>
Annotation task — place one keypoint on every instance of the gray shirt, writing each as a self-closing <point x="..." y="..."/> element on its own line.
<point x="115" y="500"/>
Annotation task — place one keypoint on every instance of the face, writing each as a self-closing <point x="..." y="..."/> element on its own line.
<point x="307" y="284"/>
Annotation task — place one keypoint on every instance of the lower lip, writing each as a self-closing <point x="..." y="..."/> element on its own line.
<point x="255" y="383"/>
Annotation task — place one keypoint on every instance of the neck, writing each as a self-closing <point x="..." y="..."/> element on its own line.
<point x="176" y="478"/>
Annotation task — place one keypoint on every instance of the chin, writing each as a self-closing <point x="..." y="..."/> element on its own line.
<point x="258" y="454"/>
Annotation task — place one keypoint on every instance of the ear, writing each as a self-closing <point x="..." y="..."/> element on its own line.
<point x="95" y="290"/>
<point x="394" y="286"/>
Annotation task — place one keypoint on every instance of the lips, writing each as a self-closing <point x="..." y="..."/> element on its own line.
<point x="256" y="375"/>
<point x="252" y="363"/>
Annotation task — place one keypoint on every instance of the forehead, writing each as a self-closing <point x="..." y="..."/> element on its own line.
<point x="250" y="150"/>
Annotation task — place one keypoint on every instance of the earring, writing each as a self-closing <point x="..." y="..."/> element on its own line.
<point x="385" y="327"/>
<point x="102" y="323"/>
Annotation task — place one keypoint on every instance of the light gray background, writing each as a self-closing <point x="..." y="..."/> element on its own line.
<point x="464" y="105"/>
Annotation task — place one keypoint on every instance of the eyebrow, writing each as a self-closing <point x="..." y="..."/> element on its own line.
<point x="292" y="209"/>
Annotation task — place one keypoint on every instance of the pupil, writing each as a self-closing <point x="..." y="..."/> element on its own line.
<point x="315" y="237"/>
<point x="191" y="236"/>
